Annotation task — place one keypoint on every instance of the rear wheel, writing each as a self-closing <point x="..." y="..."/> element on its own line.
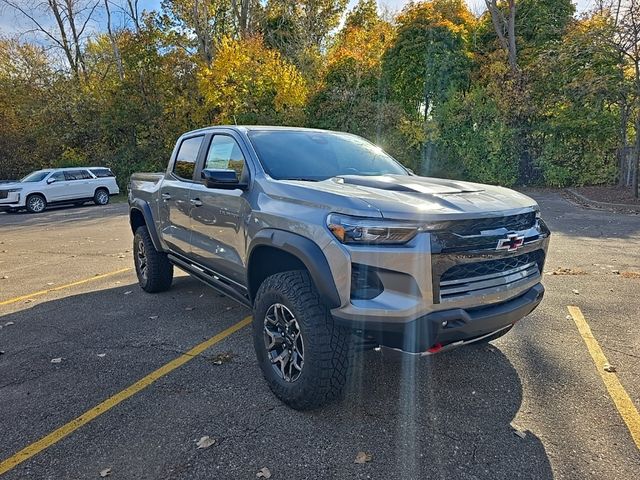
<point x="154" y="271"/>
<point x="101" y="197"/>
<point x="303" y="355"/>
<point x="36" y="203"/>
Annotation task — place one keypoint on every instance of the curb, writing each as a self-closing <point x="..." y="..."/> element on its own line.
<point x="601" y="205"/>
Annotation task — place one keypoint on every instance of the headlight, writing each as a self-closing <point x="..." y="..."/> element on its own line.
<point x="536" y="209"/>
<point x="13" y="190"/>
<point x="358" y="230"/>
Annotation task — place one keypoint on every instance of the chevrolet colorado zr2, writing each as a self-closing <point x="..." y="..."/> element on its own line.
<point x="333" y="243"/>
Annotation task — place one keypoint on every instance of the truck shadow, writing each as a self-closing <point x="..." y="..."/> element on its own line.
<point x="446" y="416"/>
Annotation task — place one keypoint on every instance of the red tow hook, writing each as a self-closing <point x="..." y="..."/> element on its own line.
<point x="436" y="348"/>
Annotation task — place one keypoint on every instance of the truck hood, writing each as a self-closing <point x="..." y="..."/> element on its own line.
<point x="423" y="198"/>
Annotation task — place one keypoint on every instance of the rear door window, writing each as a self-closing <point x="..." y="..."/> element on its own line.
<point x="186" y="158"/>
<point x="102" y="172"/>
<point x="77" y="175"/>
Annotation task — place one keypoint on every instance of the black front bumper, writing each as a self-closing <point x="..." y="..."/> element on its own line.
<point x="449" y="326"/>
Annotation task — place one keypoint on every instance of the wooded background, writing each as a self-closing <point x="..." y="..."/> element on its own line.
<point x="527" y="93"/>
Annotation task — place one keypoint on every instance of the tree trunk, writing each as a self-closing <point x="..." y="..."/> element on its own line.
<point x="114" y="44"/>
<point x="53" y="4"/>
<point x="511" y="29"/>
<point x="133" y="13"/>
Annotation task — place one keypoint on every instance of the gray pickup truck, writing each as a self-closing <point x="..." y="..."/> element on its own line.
<point x="336" y="246"/>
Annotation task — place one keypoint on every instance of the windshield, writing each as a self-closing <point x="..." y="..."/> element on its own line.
<point x="314" y="156"/>
<point x="35" y="177"/>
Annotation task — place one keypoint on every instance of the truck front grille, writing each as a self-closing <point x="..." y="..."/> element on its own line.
<point x="516" y="223"/>
<point x="472" y="278"/>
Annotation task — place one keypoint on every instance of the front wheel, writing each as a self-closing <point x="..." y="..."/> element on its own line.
<point x="101" y="197"/>
<point x="303" y="355"/>
<point x="154" y="271"/>
<point x="36" y="203"/>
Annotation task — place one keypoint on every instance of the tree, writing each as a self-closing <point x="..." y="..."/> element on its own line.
<point x="429" y="60"/>
<point x="505" y="28"/>
<point x="628" y="41"/>
<point x="71" y="19"/>
<point x="248" y="83"/>
<point x="574" y="89"/>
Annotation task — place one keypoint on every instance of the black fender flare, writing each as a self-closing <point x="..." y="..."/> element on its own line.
<point x="307" y="251"/>
<point x="144" y="208"/>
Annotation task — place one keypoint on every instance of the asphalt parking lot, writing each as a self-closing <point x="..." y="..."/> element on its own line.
<point x="533" y="404"/>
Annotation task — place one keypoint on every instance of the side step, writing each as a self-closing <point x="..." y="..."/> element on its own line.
<point x="212" y="280"/>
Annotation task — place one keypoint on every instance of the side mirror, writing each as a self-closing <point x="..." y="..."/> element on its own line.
<point x="225" y="179"/>
<point x="50" y="180"/>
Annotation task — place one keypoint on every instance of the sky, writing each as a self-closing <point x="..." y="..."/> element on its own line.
<point x="10" y="23"/>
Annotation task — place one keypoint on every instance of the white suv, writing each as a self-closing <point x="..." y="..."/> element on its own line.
<point x="58" y="186"/>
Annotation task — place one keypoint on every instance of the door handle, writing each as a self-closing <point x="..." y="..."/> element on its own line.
<point x="196" y="202"/>
<point x="166" y="196"/>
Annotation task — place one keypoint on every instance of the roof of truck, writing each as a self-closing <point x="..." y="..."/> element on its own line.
<point x="246" y="128"/>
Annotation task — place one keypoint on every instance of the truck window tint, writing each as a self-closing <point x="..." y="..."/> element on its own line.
<point x="225" y="154"/>
<point x="58" y="177"/>
<point x="186" y="159"/>
<point x="77" y="175"/>
<point x="320" y="155"/>
<point x="102" y="172"/>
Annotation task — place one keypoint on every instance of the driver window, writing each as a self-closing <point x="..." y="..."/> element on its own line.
<point x="58" y="177"/>
<point x="225" y="154"/>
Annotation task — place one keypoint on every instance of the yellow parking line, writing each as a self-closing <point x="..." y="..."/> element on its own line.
<point x="620" y="397"/>
<point x="62" y="287"/>
<point x="119" y="397"/>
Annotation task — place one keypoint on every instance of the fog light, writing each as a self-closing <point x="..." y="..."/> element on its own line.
<point x="365" y="283"/>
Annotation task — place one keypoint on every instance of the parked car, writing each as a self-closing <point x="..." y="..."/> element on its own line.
<point x="333" y="243"/>
<point x="59" y="186"/>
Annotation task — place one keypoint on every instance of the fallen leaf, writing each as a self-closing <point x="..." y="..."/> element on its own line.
<point x="9" y="323"/>
<point x="363" y="457"/>
<point x="49" y="283"/>
<point x="569" y="317"/>
<point x="4" y="277"/>
<point x="188" y="309"/>
<point x="206" y="442"/>
<point x="128" y="292"/>
<point x="101" y="355"/>
<point x="105" y="473"/>
<point x="609" y="368"/>
<point x="221" y="358"/>
<point x="28" y="301"/>
<point x="264" y="472"/>
<point x="575" y="292"/>
<point x="153" y="317"/>
<point x="630" y="274"/>
<point x="121" y="256"/>
<point x="615" y="272"/>
<point x="568" y="271"/>
<point x="1" y="352"/>
<point x="56" y="360"/>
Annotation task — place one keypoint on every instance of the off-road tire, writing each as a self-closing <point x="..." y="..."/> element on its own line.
<point x="101" y="197"/>
<point x="159" y="271"/>
<point x="327" y="346"/>
<point x="33" y="205"/>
